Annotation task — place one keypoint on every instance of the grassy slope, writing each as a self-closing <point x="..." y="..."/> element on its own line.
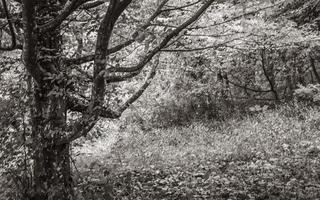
<point x="271" y="155"/>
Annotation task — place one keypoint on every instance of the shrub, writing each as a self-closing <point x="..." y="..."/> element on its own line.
<point x="309" y="93"/>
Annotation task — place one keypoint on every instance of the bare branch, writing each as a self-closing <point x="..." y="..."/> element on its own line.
<point x="77" y="105"/>
<point x="203" y="48"/>
<point x="69" y="8"/>
<point x="181" y="7"/>
<point x="266" y="73"/>
<point x="87" y="121"/>
<point x="95" y="108"/>
<point x="223" y="22"/>
<point x="251" y="89"/>
<point x="90" y="5"/>
<point x="11" y="28"/>
<point x="166" y="40"/>
<point x="238" y="17"/>
<point x="115" y="9"/>
<point x="144" y="86"/>
<point x="110" y="78"/>
<point x="90" y="57"/>
<point x="120" y="78"/>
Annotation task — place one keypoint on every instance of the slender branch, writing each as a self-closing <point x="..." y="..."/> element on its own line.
<point x="68" y="9"/>
<point x="120" y="78"/>
<point x="95" y="108"/>
<point x="144" y="86"/>
<point x="90" y="5"/>
<point x="166" y="40"/>
<point x="11" y="28"/>
<point x="76" y="105"/>
<point x="110" y="78"/>
<point x="181" y="7"/>
<point x="251" y="89"/>
<point x="237" y="17"/>
<point x="90" y="57"/>
<point x="263" y="65"/>
<point x="202" y="48"/>
<point x="86" y="123"/>
<point x="223" y="22"/>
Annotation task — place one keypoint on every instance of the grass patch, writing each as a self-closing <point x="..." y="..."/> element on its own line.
<point x="271" y="155"/>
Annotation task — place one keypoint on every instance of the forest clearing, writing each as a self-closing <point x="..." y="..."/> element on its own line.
<point x="159" y="99"/>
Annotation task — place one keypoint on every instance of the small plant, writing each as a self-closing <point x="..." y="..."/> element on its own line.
<point x="309" y="93"/>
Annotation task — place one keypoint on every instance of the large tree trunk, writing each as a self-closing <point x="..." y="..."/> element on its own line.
<point x="52" y="171"/>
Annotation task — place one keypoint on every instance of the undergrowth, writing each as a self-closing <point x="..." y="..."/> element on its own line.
<point x="270" y="155"/>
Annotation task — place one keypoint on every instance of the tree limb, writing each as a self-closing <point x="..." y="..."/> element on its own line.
<point x="90" y="5"/>
<point x="11" y="28"/>
<point x="166" y="40"/>
<point x="263" y="65"/>
<point x="114" y="11"/>
<point x="90" y="57"/>
<point x="144" y="86"/>
<point x="181" y="7"/>
<point x="94" y="110"/>
<point x="251" y="89"/>
<point x="76" y="105"/>
<point x="69" y="8"/>
<point x="120" y="78"/>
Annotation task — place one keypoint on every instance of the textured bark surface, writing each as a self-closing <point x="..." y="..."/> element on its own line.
<point x="52" y="175"/>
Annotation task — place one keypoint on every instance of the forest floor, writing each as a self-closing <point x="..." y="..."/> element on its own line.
<point x="271" y="155"/>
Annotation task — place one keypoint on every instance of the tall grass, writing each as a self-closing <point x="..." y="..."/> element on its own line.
<point x="271" y="133"/>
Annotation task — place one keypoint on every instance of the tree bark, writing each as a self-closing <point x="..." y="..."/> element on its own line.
<point x="51" y="162"/>
<point x="314" y="68"/>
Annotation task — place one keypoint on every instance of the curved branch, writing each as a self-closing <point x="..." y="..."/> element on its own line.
<point x="94" y="110"/>
<point x="166" y="40"/>
<point x="144" y="86"/>
<point x="265" y="71"/>
<point x="90" y="57"/>
<point x="76" y="105"/>
<point x="68" y="10"/>
<point x="86" y="123"/>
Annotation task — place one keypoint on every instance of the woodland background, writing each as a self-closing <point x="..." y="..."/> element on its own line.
<point x="229" y="112"/>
